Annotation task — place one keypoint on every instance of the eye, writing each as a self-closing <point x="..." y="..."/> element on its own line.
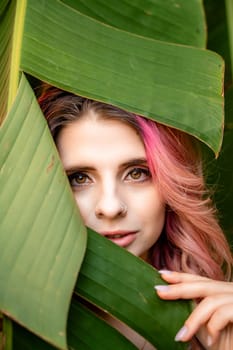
<point x="79" y="179"/>
<point x="138" y="174"/>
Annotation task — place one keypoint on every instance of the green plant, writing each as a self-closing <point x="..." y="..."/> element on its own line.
<point x="43" y="237"/>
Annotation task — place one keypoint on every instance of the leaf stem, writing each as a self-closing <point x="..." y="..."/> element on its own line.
<point x="6" y="333"/>
<point x="1" y="331"/>
<point x="16" y="50"/>
<point x="229" y="15"/>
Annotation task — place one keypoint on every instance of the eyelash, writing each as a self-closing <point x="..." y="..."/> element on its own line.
<point x="73" y="177"/>
<point x="143" y="172"/>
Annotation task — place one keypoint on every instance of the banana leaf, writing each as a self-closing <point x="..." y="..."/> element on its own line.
<point x="85" y="332"/>
<point x="124" y="287"/>
<point x="42" y="244"/>
<point x="41" y="232"/>
<point x="177" y="85"/>
<point x="108" y="276"/>
<point x="161" y="20"/>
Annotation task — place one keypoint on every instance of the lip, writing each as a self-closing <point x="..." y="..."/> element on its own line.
<point x="121" y="238"/>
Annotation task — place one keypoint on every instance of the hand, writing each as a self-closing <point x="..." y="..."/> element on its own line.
<point x="212" y="317"/>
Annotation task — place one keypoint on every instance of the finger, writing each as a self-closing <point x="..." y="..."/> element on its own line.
<point x="193" y="289"/>
<point x="177" y="277"/>
<point x="219" y="320"/>
<point x="208" y="313"/>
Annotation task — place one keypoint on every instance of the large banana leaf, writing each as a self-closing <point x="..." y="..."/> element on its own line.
<point x="173" y="84"/>
<point x="42" y="244"/>
<point x="124" y="286"/>
<point x="186" y="82"/>
<point x="85" y="332"/>
<point x="106" y="282"/>
<point x="161" y="20"/>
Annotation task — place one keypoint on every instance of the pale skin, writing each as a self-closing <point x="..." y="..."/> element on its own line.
<point x="212" y="317"/>
<point x="109" y="175"/>
<point x="107" y="167"/>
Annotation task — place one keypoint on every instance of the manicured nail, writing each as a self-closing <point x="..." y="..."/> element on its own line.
<point x="162" y="288"/>
<point x="209" y="340"/>
<point x="165" y="272"/>
<point x="182" y="332"/>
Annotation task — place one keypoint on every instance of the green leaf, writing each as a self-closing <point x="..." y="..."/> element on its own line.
<point x="229" y="15"/>
<point x="6" y="333"/>
<point x="180" y="21"/>
<point x="7" y="12"/>
<point x="90" y="332"/>
<point x="42" y="236"/>
<point x="85" y="332"/>
<point x="16" y="50"/>
<point x="176" y="85"/>
<point x="123" y="284"/>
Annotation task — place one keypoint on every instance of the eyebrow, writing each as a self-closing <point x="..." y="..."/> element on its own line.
<point x="128" y="163"/>
<point x="77" y="168"/>
<point x="132" y="162"/>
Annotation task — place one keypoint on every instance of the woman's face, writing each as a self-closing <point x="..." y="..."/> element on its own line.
<point x="106" y="164"/>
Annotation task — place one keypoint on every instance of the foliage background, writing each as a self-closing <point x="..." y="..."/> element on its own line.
<point x="220" y="174"/>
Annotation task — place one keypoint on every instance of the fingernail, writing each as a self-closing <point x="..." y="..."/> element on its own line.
<point x="182" y="332"/>
<point x="162" y="288"/>
<point x="165" y="272"/>
<point x="209" y="340"/>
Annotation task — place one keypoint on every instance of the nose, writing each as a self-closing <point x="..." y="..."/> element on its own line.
<point x="110" y="206"/>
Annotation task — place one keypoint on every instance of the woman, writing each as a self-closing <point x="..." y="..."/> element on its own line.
<point x="140" y="184"/>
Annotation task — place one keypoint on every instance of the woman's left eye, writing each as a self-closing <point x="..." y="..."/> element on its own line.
<point x="79" y="179"/>
<point x="138" y="174"/>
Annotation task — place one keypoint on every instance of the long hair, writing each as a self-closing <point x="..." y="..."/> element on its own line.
<point x="192" y="240"/>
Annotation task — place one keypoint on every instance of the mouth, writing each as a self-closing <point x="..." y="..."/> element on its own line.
<point x="121" y="238"/>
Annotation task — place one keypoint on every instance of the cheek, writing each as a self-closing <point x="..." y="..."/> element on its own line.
<point x="151" y="209"/>
<point x="149" y="203"/>
<point x="154" y="216"/>
<point x="159" y="218"/>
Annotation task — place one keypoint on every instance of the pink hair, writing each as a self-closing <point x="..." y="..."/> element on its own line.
<point x="192" y="240"/>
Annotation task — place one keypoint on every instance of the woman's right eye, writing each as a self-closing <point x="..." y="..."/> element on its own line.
<point x="79" y="179"/>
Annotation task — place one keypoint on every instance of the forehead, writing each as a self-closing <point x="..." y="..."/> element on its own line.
<point x="96" y="137"/>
